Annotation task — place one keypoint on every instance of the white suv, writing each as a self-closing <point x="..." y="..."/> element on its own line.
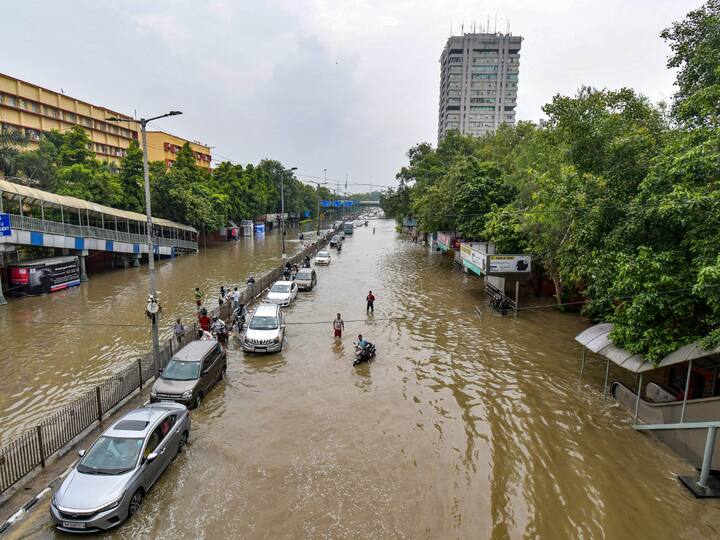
<point x="265" y="331"/>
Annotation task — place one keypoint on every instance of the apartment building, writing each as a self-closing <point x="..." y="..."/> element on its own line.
<point x="478" y="82"/>
<point x="163" y="146"/>
<point x="33" y="110"/>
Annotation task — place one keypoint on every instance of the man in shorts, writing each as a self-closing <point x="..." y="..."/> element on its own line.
<point x="338" y="326"/>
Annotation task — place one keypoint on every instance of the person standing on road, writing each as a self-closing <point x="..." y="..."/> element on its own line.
<point x="338" y="326"/>
<point x="221" y="299"/>
<point x="198" y="298"/>
<point x="370" y="301"/>
<point x="179" y="331"/>
<point x="204" y="320"/>
<point x="235" y="298"/>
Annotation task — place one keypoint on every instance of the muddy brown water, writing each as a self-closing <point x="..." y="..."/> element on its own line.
<point x="463" y="427"/>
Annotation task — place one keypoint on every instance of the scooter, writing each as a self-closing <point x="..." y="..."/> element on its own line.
<point x="238" y="318"/>
<point x="364" y="354"/>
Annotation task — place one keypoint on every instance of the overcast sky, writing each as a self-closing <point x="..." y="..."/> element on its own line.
<point x="347" y="85"/>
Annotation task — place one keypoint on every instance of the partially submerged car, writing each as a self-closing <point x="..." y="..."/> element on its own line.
<point x="265" y="331"/>
<point x="108" y="484"/>
<point x="191" y="373"/>
<point x="282" y="293"/>
<point x="306" y="279"/>
<point x="323" y="258"/>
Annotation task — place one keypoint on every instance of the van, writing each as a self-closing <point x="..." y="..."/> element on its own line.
<point x="306" y="279"/>
<point x="191" y="373"/>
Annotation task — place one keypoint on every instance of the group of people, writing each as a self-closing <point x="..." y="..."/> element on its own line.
<point x="338" y="325"/>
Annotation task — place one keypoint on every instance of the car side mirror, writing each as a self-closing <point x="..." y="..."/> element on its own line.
<point x="152" y="456"/>
<point x="282" y="326"/>
<point x="81" y="453"/>
<point x="161" y="370"/>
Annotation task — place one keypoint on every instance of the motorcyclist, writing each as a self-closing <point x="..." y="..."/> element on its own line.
<point x="219" y="329"/>
<point x="361" y="343"/>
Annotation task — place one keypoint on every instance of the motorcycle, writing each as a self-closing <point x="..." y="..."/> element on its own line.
<point x="238" y="318"/>
<point x="364" y="354"/>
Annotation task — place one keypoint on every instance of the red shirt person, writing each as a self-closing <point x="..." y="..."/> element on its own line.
<point x="370" y="300"/>
<point x="205" y="322"/>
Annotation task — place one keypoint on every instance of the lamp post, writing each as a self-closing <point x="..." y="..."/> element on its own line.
<point x="152" y="306"/>
<point x="282" y="206"/>
<point x="318" y="184"/>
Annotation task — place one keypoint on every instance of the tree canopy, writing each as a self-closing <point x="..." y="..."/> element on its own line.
<point x="615" y="197"/>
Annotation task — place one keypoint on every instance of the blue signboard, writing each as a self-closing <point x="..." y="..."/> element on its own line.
<point x="337" y="204"/>
<point x="5" y="225"/>
<point x="348" y="203"/>
<point x="325" y="204"/>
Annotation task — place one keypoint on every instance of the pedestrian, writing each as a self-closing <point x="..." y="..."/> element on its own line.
<point x="338" y="326"/>
<point x="370" y="301"/>
<point x="179" y="331"/>
<point x="221" y="299"/>
<point x="204" y="320"/>
<point x="198" y="298"/>
<point x="236" y="298"/>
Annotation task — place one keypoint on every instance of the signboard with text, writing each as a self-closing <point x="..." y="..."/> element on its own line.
<point x="509" y="264"/>
<point x="5" y="229"/>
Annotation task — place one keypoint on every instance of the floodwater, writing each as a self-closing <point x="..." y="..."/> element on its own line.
<point x="464" y="426"/>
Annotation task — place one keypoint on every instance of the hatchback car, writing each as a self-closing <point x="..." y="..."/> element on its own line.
<point x="265" y="331"/>
<point x="108" y="484"/>
<point x="322" y="258"/>
<point x="282" y="293"/>
<point x="191" y="373"/>
<point x="306" y="279"/>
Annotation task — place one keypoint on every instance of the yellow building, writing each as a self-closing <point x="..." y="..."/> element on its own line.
<point x="165" y="147"/>
<point x="33" y="110"/>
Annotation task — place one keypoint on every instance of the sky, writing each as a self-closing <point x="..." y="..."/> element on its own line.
<point x="343" y="85"/>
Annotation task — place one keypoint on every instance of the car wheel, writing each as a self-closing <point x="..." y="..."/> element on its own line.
<point x="222" y="373"/>
<point x="198" y="400"/>
<point x="136" y="502"/>
<point x="183" y="441"/>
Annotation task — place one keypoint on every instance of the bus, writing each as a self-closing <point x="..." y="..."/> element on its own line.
<point x="348" y="227"/>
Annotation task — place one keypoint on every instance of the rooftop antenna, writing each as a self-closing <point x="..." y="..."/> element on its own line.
<point x="488" y="24"/>
<point x="495" y="31"/>
<point x="462" y="29"/>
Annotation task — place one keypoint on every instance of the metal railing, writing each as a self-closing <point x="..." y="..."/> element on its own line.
<point x="26" y="223"/>
<point x="33" y="447"/>
<point x="711" y="427"/>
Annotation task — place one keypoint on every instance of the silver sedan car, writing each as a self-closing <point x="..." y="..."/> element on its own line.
<point x="110" y="481"/>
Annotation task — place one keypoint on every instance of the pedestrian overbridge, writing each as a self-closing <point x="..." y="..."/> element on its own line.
<point x="43" y="219"/>
<point x="368" y="203"/>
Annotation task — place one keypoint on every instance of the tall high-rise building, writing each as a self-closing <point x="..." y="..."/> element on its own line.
<point x="478" y="83"/>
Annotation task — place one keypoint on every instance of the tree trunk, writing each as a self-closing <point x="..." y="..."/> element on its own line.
<point x="558" y="287"/>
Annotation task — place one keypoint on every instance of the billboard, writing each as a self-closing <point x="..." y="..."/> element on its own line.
<point x="42" y="276"/>
<point x="509" y="264"/>
<point x="5" y="225"/>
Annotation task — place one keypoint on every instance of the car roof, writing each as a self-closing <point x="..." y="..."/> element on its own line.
<point x="265" y="310"/>
<point x="282" y="282"/>
<point x="140" y="422"/>
<point x="195" y="350"/>
<point x="305" y="271"/>
<point x="323" y="252"/>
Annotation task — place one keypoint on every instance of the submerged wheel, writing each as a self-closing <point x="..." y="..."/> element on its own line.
<point x="136" y="502"/>
<point x="183" y="441"/>
<point x="222" y="373"/>
<point x="198" y="400"/>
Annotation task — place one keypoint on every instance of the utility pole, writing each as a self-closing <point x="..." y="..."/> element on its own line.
<point x="282" y="206"/>
<point x="318" y="184"/>
<point x="153" y="308"/>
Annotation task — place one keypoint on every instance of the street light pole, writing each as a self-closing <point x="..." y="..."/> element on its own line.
<point x="282" y="206"/>
<point x="318" y="184"/>
<point x="153" y="306"/>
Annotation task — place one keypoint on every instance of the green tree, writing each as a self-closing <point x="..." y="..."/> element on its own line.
<point x="11" y="143"/>
<point x="132" y="179"/>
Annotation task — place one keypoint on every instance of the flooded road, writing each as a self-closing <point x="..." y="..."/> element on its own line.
<point x="463" y="426"/>
<point x="56" y="347"/>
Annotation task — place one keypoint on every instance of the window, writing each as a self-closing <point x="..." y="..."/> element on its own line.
<point x="157" y="436"/>
<point x="70" y="117"/>
<point x="484" y="75"/>
<point x="484" y="67"/>
<point x="12" y="101"/>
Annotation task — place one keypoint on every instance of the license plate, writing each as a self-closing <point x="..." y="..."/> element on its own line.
<point x="260" y="349"/>
<point x="167" y="401"/>
<point x="74" y="525"/>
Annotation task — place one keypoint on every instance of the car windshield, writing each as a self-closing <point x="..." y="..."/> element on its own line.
<point x="303" y="275"/>
<point x="111" y="455"/>
<point x="280" y="287"/>
<point x="181" y="371"/>
<point x="323" y="254"/>
<point x="263" y="323"/>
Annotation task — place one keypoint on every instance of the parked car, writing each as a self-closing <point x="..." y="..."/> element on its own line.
<point x="322" y="258"/>
<point x="191" y="373"/>
<point x="282" y="293"/>
<point x="108" y="484"/>
<point x="306" y="279"/>
<point x="337" y="239"/>
<point x="265" y="331"/>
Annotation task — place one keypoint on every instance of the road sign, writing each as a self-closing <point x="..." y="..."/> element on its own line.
<point x="5" y="225"/>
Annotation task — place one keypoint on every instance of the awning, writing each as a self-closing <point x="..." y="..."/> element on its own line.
<point x="597" y="339"/>
<point x="56" y="201"/>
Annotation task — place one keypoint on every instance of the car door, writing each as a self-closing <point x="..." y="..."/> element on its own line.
<point x="207" y="371"/>
<point x="157" y="443"/>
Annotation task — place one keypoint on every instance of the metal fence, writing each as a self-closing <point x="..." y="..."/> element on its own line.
<point x="33" y="447"/>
